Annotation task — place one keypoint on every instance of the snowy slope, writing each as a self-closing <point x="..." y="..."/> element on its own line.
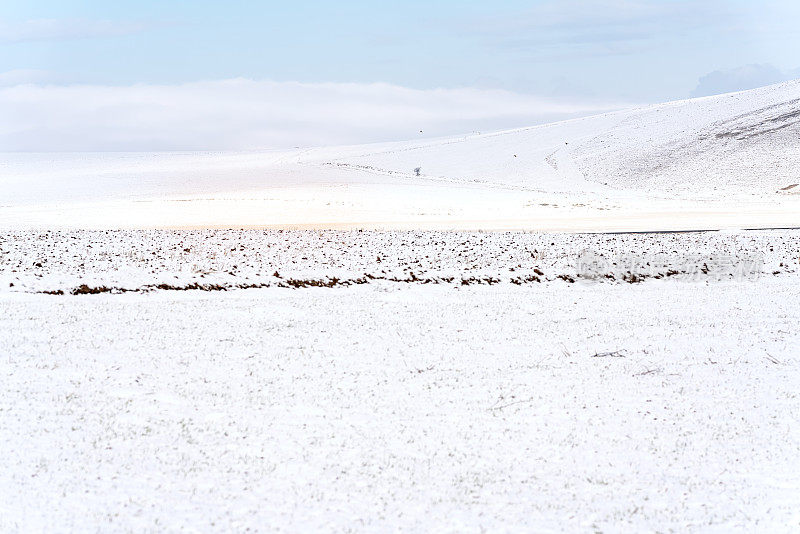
<point x="727" y="161"/>
<point x="748" y="141"/>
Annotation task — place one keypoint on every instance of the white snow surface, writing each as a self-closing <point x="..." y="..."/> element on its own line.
<point x="740" y="142"/>
<point x="727" y="161"/>
<point x="137" y="260"/>
<point x="419" y="404"/>
<point x="210" y="342"/>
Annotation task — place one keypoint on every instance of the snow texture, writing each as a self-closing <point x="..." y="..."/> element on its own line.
<point x="599" y="405"/>
<point x="171" y="363"/>
<point x="728" y="161"/>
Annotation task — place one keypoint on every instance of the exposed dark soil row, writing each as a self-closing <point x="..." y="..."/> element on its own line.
<point x="300" y="283"/>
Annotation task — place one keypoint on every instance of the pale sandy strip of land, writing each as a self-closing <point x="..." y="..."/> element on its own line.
<point x="412" y="207"/>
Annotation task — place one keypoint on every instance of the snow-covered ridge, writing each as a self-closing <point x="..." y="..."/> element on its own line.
<point x="728" y="161"/>
<point x="747" y="141"/>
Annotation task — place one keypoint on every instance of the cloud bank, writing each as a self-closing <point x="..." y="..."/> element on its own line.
<point x="246" y="114"/>
<point x="741" y="79"/>
<point x="24" y="76"/>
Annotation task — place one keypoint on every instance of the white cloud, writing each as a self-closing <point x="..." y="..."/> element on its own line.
<point x="245" y="114"/>
<point x="23" y="76"/>
<point x="740" y="79"/>
<point x="64" y="29"/>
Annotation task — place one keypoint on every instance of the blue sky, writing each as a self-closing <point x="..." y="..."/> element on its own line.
<point x="642" y="50"/>
<point x="600" y="51"/>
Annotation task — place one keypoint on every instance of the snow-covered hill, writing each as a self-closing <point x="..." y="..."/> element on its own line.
<point x="716" y="162"/>
<point x="739" y="142"/>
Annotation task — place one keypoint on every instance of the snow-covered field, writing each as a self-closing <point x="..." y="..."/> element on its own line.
<point x="729" y="161"/>
<point x="136" y="260"/>
<point x="448" y="381"/>
<point x="218" y="341"/>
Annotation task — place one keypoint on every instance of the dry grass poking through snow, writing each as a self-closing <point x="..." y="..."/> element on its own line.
<point x="598" y="405"/>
